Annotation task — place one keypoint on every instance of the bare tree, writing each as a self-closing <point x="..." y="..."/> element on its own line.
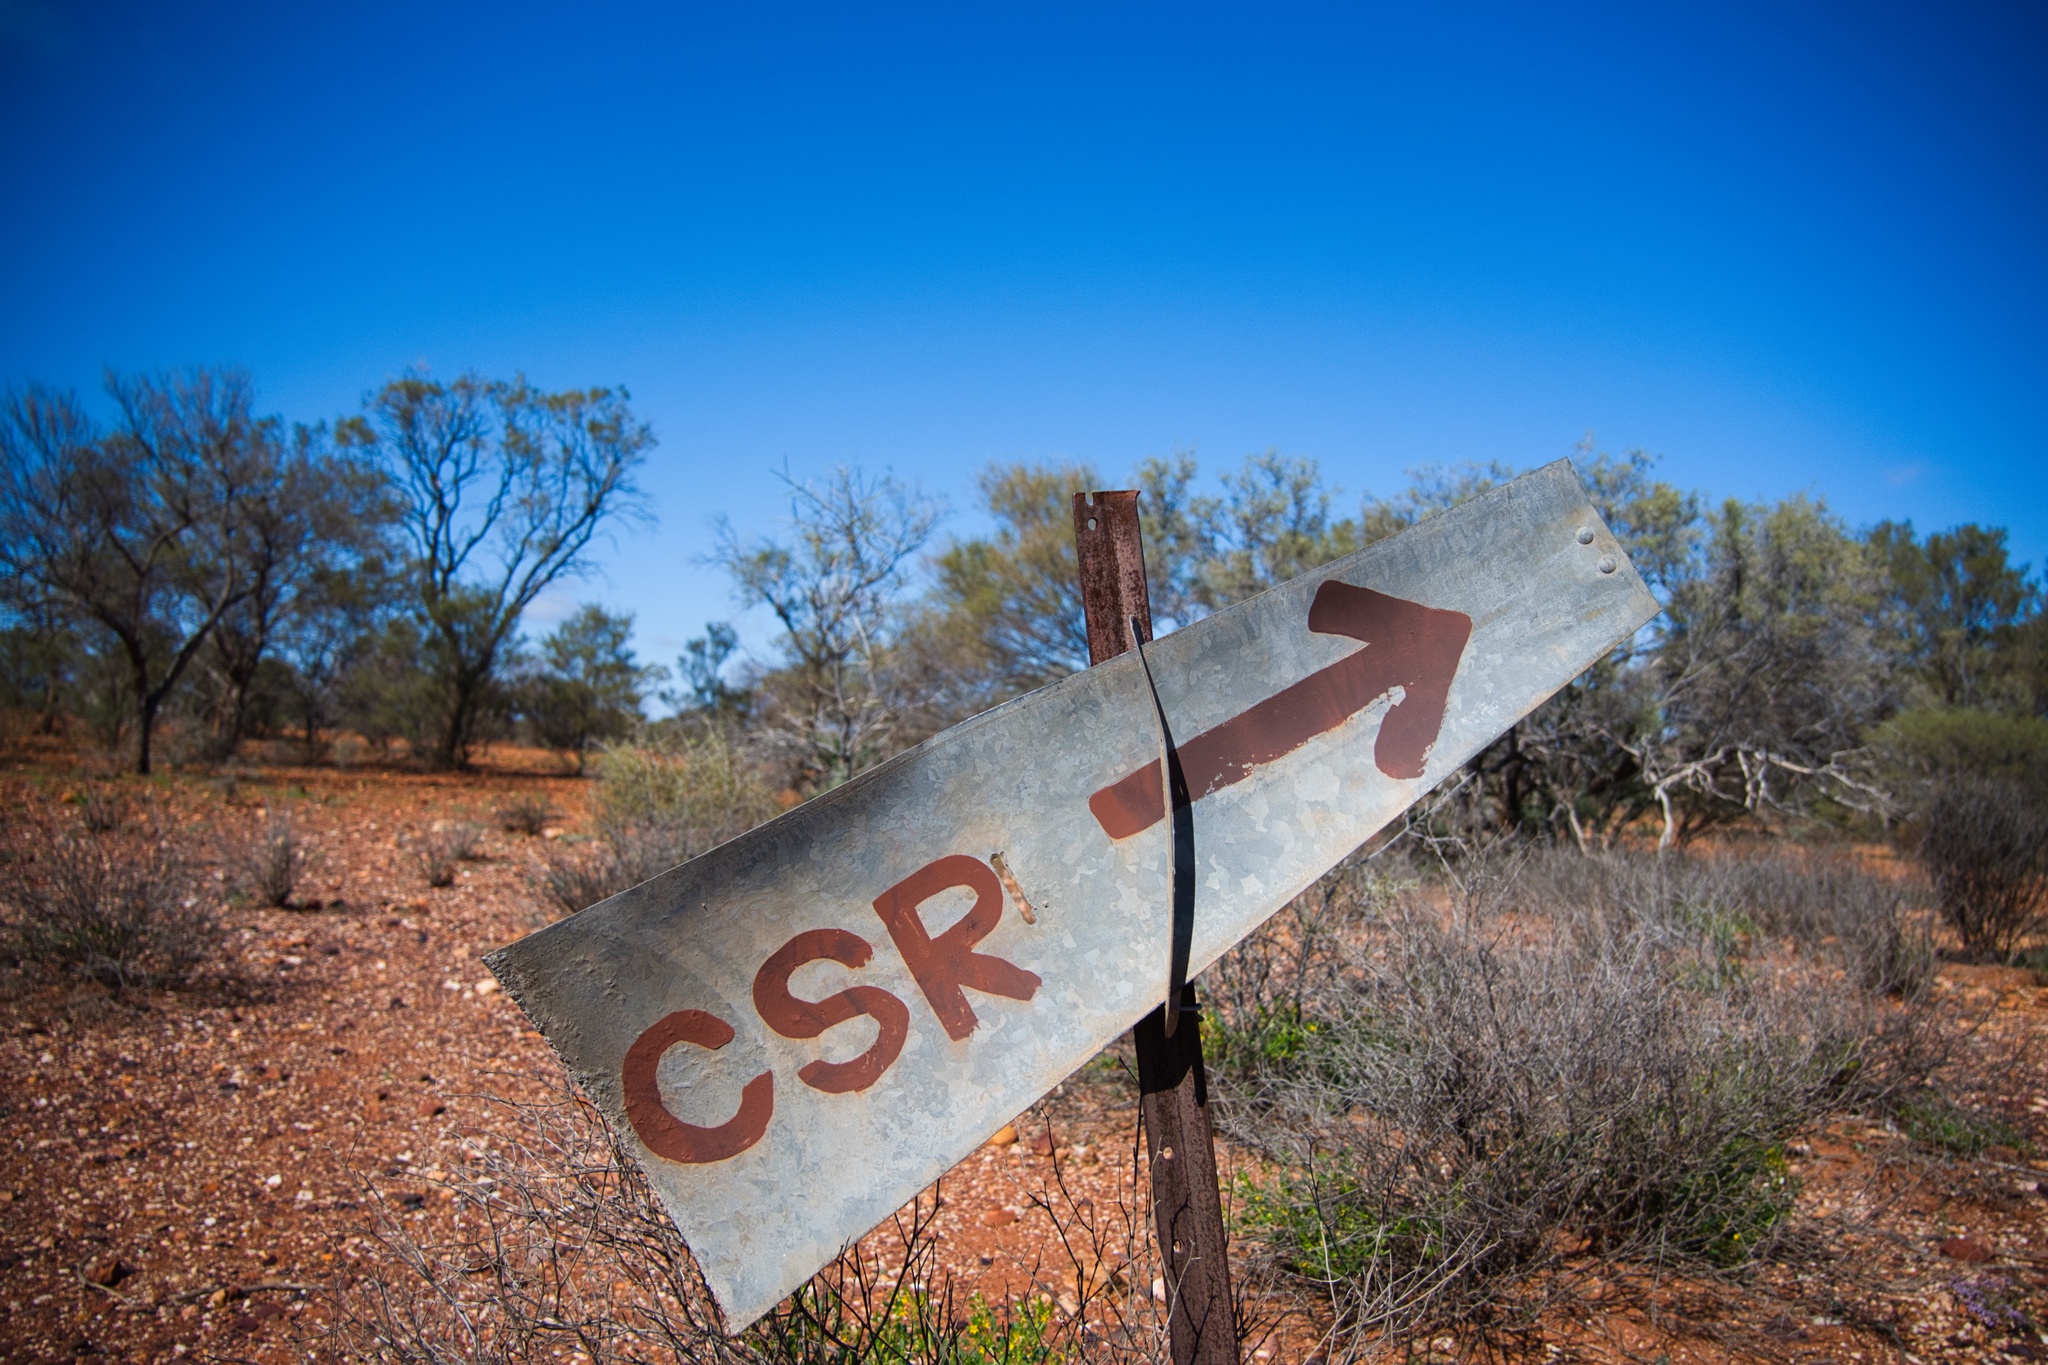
<point x="835" y="589"/>
<point x="501" y="488"/>
<point x="321" y="519"/>
<point x="140" y="531"/>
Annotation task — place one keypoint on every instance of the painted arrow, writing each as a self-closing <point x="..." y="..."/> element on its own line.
<point x="1407" y="645"/>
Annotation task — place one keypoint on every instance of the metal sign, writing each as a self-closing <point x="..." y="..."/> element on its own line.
<point x="804" y="1027"/>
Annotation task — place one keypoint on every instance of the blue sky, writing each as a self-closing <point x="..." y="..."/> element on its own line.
<point x="1786" y="247"/>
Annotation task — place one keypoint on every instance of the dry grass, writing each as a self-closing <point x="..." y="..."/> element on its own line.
<point x="526" y="814"/>
<point x="1460" y="1088"/>
<point x="447" y="844"/>
<point x="1984" y="843"/>
<point x="114" y="900"/>
<point x="560" y="1245"/>
<point x="271" y="862"/>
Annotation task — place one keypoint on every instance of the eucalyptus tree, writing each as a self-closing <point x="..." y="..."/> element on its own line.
<point x="587" y="687"/>
<point x="1963" y="608"/>
<point x="140" y="532"/>
<point x="317" y="528"/>
<point x="501" y="491"/>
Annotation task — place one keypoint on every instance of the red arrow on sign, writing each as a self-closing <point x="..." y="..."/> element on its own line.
<point x="1407" y="645"/>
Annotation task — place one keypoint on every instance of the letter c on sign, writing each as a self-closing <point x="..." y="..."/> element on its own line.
<point x="664" y="1134"/>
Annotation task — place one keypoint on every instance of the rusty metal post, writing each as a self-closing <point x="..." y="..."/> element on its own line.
<point x="1173" y="1089"/>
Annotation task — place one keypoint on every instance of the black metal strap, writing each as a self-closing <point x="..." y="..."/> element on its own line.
<point x="1180" y="857"/>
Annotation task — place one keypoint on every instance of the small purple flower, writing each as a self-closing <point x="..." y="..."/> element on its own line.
<point x="1983" y="1298"/>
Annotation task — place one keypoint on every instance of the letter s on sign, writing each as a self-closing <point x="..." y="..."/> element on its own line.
<point x="664" y="1134"/>
<point x="795" y="1018"/>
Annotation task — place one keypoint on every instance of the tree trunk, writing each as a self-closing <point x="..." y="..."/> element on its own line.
<point x="50" y="700"/>
<point x="145" y="726"/>
<point x="453" y="750"/>
<point x="310" y="731"/>
<point x="145" y="701"/>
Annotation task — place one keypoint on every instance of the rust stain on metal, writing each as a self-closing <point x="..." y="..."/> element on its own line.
<point x="995" y="860"/>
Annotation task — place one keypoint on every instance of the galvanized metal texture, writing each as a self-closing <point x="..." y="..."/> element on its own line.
<point x="805" y="1026"/>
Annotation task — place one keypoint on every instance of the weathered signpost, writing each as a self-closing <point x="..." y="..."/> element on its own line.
<point x="801" y="1029"/>
<point x="1173" y="1091"/>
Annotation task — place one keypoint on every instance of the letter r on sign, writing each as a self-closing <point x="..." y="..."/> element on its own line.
<point x="944" y="964"/>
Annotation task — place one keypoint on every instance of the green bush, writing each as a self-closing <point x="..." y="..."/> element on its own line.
<point x="1929" y="746"/>
<point x="656" y="807"/>
<point x="1939" y="1122"/>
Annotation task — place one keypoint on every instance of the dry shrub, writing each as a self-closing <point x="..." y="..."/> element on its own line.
<point x="559" y="1247"/>
<point x="1984" y="843"/>
<point x="113" y="902"/>
<point x="526" y="814"/>
<point x="101" y="809"/>
<point x="655" y="808"/>
<point x="1458" y="1090"/>
<point x="1832" y="910"/>
<point x="449" y="842"/>
<point x="273" y="859"/>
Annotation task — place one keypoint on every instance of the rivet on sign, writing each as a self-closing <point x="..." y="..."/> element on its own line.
<point x="1585" y="535"/>
<point x="1606" y="564"/>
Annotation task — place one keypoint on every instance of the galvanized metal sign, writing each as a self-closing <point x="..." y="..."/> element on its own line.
<point x="804" y="1027"/>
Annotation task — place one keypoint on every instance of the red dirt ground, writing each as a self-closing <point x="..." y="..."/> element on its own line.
<point x="189" y="1169"/>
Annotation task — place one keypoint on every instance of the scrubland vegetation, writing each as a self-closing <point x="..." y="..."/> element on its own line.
<point x="1556" y="1038"/>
